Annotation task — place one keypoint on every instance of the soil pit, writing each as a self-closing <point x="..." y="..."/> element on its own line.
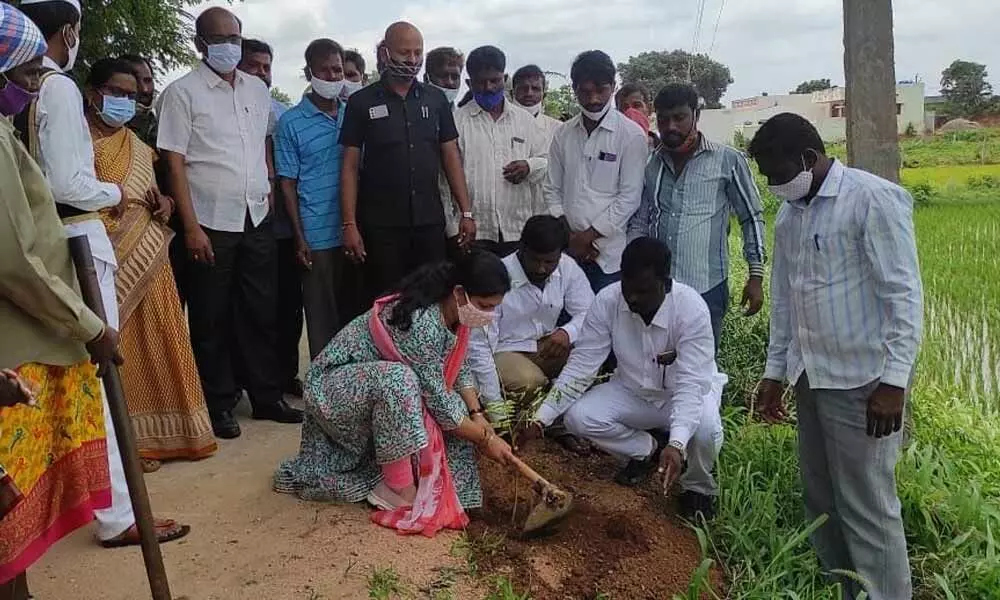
<point x="618" y="543"/>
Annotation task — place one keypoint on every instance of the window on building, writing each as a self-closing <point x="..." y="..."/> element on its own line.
<point x="899" y="108"/>
<point x="838" y="109"/>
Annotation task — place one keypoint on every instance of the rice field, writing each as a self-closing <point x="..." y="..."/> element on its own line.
<point x="949" y="475"/>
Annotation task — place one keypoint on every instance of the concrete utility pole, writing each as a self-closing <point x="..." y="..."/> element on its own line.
<point x="870" y="70"/>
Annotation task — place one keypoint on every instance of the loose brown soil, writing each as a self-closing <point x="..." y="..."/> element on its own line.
<point x="622" y="543"/>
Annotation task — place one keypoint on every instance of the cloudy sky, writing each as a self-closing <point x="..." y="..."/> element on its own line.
<point x="769" y="45"/>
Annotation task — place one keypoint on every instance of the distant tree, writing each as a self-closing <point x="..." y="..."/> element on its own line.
<point x="966" y="88"/>
<point x="281" y="96"/>
<point x="561" y="101"/>
<point x="813" y="85"/>
<point x="656" y="69"/>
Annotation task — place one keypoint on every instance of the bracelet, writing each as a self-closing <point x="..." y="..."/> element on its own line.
<point x="347" y="224"/>
<point x="488" y="435"/>
<point x="477" y="411"/>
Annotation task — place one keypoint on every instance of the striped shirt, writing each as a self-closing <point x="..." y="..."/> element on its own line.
<point x="306" y="149"/>
<point x="501" y="208"/>
<point x="846" y="299"/>
<point x="690" y="212"/>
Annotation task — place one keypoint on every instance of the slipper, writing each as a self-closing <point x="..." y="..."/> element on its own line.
<point x="150" y="465"/>
<point x="383" y="498"/>
<point x="167" y="530"/>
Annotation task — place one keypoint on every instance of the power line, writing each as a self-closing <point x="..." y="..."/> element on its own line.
<point x="718" y="19"/>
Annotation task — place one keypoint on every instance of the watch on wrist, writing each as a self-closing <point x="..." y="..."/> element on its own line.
<point x="680" y="448"/>
<point x="468" y="215"/>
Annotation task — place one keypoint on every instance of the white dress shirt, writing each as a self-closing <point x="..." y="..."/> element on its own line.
<point x="527" y="314"/>
<point x="596" y="180"/>
<point x="846" y="295"/>
<point x="220" y="130"/>
<point x="681" y="324"/>
<point x="66" y="155"/>
<point x="501" y="208"/>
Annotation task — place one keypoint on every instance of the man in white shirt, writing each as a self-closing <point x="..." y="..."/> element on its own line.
<point x="666" y="380"/>
<point x="503" y="152"/>
<point x="528" y="87"/>
<point x="59" y="138"/>
<point x="213" y="124"/>
<point x="522" y="349"/>
<point x="596" y="165"/>
<point x="846" y="321"/>
<point x="443" y="70"/>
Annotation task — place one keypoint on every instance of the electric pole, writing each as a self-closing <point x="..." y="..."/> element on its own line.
<point x="870" y="70"/>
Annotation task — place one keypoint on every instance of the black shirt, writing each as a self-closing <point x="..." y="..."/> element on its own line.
<point x="401" y="145"/>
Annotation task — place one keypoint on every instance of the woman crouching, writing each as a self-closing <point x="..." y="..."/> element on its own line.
<point x="392" y="392"/>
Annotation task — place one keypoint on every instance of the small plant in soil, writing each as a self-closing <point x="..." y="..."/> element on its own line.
<point x="384" y="584"/>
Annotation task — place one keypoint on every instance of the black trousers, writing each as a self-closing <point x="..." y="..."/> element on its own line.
<point x="179" y="258"/>
<point x="232" y="309"/>
<point x="395" y="252"/>
<point x="289" y="312"/>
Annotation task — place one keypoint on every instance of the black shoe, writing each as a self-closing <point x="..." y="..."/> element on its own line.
<point x="293" y="388"/>
<point x="637" y="471"/>
<point x="279" y="412"/>
<point x="693" y="504"/>
<point x="224" y="426"/>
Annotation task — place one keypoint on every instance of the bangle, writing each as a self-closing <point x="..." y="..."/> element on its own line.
<point x="347" y="224"/>
<point x="476" y="411"/>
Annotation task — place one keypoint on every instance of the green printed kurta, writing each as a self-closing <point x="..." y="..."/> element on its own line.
<point x="362" y="412"/>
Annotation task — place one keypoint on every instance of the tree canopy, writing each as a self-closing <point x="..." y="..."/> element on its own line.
<point x="279" y="95"/>
<point x="561" y="101"/>
<point x="813" y="85"/>
<point x="656" y="69"/>
<point x="966" y="88"/>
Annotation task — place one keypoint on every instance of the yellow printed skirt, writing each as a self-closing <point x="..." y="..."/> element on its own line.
<point x="56" y="454"/>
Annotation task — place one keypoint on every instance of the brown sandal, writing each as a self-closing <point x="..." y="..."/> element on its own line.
<point x="167" y="530"/>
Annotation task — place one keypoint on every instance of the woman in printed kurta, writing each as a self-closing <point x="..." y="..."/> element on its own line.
<point x="364" y="411"/>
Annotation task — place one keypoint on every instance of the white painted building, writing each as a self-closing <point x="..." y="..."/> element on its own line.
<point x="825" y="109"/>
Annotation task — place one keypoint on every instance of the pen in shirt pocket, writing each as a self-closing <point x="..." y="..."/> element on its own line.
<point x="816" y="240"/>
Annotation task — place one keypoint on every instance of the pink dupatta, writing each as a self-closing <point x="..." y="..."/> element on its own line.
<point x="436" y="506"/>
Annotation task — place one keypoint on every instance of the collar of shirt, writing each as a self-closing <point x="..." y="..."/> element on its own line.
<point x="662" y="317"/>
<point x="610" y="122"/>
<point x="382" y="90"/>
<point x="518" y="278"/>
<point x="213" y="80"/>
<point x="477" y="111"/>
<point x="704" y="145"/>
<point x="310" y="109"/>
<point x="830" y="187"/>
<point x="48" y="63"/>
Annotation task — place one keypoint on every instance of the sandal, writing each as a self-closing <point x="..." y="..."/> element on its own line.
<point x="567" y="440"/>
<point x="167" y="530"/>
<point x="151" y="465"/>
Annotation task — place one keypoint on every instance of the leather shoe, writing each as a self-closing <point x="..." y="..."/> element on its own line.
<point x="224" y="426"/>
<point x="294" y="388"/>
<point x="279" y="412"/>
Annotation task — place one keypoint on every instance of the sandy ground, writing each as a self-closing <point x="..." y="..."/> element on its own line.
<point x="246" y="541"/>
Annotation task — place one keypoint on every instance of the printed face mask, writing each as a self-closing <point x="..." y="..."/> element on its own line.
<point x="797" y="188"/>
<point x="474" y="317"/>
<point x="401" y="69"/>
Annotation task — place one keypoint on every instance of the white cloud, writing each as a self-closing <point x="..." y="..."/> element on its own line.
<point x="769" y="45"/>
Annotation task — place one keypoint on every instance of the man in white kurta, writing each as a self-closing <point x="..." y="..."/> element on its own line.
<point x="665" y="394"/>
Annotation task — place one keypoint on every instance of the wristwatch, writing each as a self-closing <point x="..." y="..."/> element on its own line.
<point x="468" y="215"/>
<point x="680" y="448"/>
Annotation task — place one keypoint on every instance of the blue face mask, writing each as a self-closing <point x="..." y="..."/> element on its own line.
<point x="488" y="100"/>
<point x="117" y="111"/>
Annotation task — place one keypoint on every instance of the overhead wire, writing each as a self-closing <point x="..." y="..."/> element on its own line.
<point x="715" y="33"/>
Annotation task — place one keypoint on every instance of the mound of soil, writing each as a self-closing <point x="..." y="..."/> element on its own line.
<point x="618" y="543"/>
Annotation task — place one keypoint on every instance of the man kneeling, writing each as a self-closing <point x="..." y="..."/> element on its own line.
<point x="662" y="402"/>
<point x="523" y="348"/>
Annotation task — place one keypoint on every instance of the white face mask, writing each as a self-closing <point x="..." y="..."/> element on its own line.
<point x="534" y="110"/>
<point x="350" y="87"/>
<point x="796" y="189"/>
<point x="73" y="51"/>
<point x="450" y="94"/>
<point x="224" y="57"/>
<point x="597" y="116"/>
<point x="327" y="89"/>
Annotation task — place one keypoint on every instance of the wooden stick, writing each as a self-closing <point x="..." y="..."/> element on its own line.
<point x="528" y="472"/>
<point x="90" y="289"/>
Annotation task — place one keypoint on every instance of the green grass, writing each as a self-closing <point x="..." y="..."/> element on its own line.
<point x="384" y="584"/>
<point x="949" y="474"/>
<point x="979" y="147"/>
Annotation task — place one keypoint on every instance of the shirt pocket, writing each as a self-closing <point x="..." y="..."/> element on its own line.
<point x="603" y="173"/>
<point x="833" y="253"/>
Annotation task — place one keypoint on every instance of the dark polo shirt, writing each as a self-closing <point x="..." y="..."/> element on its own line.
<point x="401" y="142"/>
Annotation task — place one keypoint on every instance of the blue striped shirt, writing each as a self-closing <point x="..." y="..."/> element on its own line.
<point x="690" y="211"/>
<point x="846" y="295"/>
<point x="306" y="149"/>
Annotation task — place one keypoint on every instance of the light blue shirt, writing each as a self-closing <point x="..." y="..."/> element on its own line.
<point x="306" y="149"/>
<point x="846" y="295"/>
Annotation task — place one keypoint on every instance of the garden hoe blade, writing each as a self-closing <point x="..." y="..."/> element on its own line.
<point x="552" y="508"/>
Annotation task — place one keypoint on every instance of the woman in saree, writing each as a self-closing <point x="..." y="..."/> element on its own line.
<point x="160" y="377"/>
<point x="392" y="392"/>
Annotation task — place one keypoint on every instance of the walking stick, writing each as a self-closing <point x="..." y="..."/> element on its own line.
<point x="90" y="289"/>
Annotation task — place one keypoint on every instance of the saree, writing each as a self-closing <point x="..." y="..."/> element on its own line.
<point x="160" y="378"/>
<point x="436" y="505"/>
<point x="55" y="453"/>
